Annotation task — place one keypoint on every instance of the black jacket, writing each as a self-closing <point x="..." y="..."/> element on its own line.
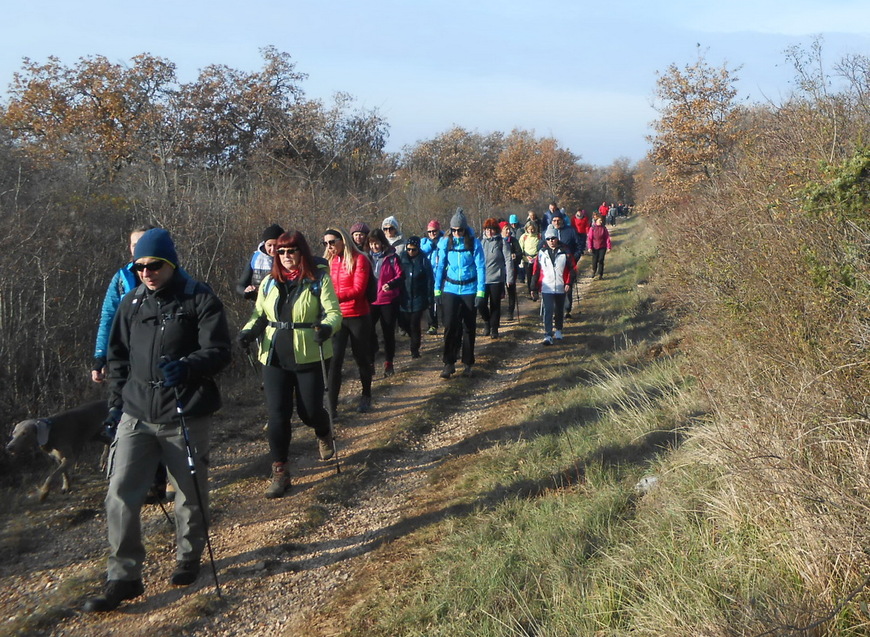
<point x="418" y="285"/>
<point x="184" y="319"/>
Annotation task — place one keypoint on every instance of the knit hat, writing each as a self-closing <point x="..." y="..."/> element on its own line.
<point x="458" y="220"/>
<point x="433" y="225"/>
<point x="413" y="240"/>
<point x="513" y="219"/>
<point x="503" y="224"/>
<point x="272" y="232"/>
<point x="156" y="244"/>
<point x="359" y="226"/>
<point x="392" y="222"/>
<point x="551" y="232"/>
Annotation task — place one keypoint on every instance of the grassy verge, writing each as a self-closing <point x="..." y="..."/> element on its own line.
<point x="550" y="532"/>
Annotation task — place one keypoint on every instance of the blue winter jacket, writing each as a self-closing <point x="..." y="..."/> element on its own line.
<point x="460" y="270"/>
<point x="123" y="281"/>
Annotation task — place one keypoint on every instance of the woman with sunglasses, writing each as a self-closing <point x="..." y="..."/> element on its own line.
<point x="296" y="313"/>
<point x="552" y="275"/>
<point x="350" y="270"/>
<point x="460" y="284"/>
<point x="385" y="309"/>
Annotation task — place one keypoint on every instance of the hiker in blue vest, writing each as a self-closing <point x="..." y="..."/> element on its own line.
<point x="124" y="280"/>
<point x="260" y="263"/>
<point x="169" y="338"/>
<point x="460" y="285"/>
<point x="428" y="246"/>
<point x="297" y="311"/>
<point x="416" y="291"/>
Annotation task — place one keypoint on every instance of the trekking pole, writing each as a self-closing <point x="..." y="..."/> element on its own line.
<point x="190" y="463"/>
<point x="329" y="409"/>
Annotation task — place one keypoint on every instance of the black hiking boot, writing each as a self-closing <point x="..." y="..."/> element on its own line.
<point x="365" y="404"/>
<point x="185" y="573"/>
<point x="116" y="591"/>
<point x="448" y="371"/>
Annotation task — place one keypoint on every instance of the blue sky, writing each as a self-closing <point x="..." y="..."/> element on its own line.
<point x="582" y="72"/>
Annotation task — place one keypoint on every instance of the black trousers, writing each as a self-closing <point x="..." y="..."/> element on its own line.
<point x="460" y="315"/>
<point x="598" y="260"/>
<point x="357" y="330"/>
<point x="412" y="323"/>
<point x="491" y="310"/>
<point x="282" y="387"/>
<point x="386" y="315"/>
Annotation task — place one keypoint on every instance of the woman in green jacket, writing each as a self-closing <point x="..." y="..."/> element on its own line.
<point x="297" y="312"/>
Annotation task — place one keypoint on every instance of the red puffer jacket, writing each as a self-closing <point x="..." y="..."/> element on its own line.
<point x="351" y="288"/>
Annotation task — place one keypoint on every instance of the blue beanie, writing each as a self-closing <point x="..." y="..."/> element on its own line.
<point x="513" y="219"/>
<point x="156" y="244"/>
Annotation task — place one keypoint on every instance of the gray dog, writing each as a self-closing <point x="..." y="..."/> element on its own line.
<point x="61" y="436"/>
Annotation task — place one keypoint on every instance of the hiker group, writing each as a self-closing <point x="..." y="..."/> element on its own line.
<point x="163" y="336"/>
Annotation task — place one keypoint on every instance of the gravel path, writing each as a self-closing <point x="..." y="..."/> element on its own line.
<point x="278" y="570"/>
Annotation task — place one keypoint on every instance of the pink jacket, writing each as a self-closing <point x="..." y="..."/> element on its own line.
<point x="390" y="275"/>
<point x="598" y="237"/>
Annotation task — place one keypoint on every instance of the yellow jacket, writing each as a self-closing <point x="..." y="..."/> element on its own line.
<point x="309" y="307"/>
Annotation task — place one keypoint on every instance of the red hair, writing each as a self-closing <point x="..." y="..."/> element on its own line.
<point x="293" y="239"/>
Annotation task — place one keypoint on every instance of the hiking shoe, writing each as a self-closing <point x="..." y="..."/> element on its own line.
<point x="467" y="371"/>
<point x="415" y="353"/>
<point x="548" y="340"/>
<point x="487" y="330"/>
<point x="280" y="481"/>
<point x="567" y="315"/>
<point x="185" y="573"/>
<point x="448" y="371"/>
<point x="365" y="404"/>
<point x="432" y="331"/>
<point x="494" y="335"/>
<point x="388" y="369"/>
<point x="116" y="591"/>
<point x="326" y="446"/>
<point x="557" y="335"/>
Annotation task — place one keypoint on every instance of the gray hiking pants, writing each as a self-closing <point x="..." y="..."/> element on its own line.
<point x="138" y="448"/>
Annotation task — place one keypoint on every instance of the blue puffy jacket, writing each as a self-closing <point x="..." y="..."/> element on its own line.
<point x="460" y="270"/>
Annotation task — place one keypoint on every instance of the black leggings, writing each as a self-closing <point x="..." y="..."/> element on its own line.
<point x="281" y="387"/>
<point x="460" y="313"/>
<point x="412" y="323"/>
<point x="357" y="329"/>
<point x="491" y="310"/>
<point x="386" y="315"/>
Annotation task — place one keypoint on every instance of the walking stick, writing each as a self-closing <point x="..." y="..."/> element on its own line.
<point x="329" y="410"/>
<point x="190" y="463"/>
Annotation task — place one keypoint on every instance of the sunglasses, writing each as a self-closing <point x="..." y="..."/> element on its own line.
<point x="431" y="232"/>
<point x="283" y="251"/>
<point x="389" y="229"/>
<point x="458" y="230"/>
<point x="552" y="238"/>
<point x="154" y="266"/>
<point x="330" y="242"/>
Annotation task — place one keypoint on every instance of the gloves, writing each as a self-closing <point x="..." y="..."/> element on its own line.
<point x="110" y="427"/>
<point x="322" y="333"/>
<point x="174" y="372"/>
<point x="245" y="338"/>
<point x="437" y="293"/>
<point x="99" y="363"/>
<point x="480" y="302"/>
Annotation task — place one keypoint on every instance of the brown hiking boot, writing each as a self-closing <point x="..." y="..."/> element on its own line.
<point x="327" y="447"/>
<point x="280" y="481"/>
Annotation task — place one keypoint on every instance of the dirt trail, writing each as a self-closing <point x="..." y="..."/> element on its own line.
<point x="278" y="569"/>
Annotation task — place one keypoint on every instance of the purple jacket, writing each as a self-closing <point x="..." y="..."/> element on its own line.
<point x="388" y="272"/>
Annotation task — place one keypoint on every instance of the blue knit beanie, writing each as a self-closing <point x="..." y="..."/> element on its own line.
<point x="156" y="244"/>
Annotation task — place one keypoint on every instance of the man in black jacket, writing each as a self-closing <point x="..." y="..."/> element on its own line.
<point x="168" y="339"/>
